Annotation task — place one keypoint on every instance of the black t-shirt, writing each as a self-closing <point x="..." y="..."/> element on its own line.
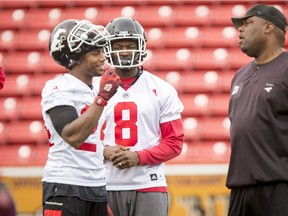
<point x="258" y="111"/>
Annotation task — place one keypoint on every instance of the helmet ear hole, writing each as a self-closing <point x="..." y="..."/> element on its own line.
<point x="125" y="28"/>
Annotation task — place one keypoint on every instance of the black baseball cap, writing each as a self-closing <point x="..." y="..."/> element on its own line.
<point x="267" y="12"/>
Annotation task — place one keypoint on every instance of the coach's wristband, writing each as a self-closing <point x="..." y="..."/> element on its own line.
<point x="100" y="101"/>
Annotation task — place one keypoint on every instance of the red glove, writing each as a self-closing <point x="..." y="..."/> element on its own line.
<point x="108" y="84"/>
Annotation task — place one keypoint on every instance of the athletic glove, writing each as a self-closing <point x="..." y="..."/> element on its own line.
<point x="108" y="86"/>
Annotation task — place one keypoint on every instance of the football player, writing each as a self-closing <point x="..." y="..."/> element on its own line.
<point x="144" y="118"/>
<point x="74" y="175"/>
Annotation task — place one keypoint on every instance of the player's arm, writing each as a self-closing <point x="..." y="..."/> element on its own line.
<point x="76" y="130"/>
<point x="72" y="128"/>
<point x="169" y="147"/>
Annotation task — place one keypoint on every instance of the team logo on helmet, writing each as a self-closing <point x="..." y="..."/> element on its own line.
<point x="56" y="44"/>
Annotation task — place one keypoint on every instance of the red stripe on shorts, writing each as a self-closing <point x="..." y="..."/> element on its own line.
<point x="52" y="212"/>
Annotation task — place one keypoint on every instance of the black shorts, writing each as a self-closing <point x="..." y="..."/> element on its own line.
<point x="261" y="200"/>
<point x="73" y="206"/>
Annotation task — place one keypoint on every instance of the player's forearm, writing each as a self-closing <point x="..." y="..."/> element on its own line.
<point x="81" y="128"/>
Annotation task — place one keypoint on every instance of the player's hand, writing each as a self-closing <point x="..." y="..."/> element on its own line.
<point x="109" y="151"/>
<point x="125" y="159"/>
<point x="108" y="84"/>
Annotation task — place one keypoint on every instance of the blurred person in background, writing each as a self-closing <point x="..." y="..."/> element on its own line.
<point x="7" y="205"/>
<point x="74" y="174"/>
<point x="144" y="118"/>
<point x="258" y="111"/>
<point x="2" y="78"/>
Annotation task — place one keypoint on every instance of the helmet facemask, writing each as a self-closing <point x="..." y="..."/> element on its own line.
<point x="85" y="33"/>
<point x="135" y="59"/>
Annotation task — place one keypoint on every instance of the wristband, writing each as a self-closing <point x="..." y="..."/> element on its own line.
<point x="100" y="101"/>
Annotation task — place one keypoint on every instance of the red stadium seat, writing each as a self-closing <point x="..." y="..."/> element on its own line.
<point x="174" y="37"/>
<point x="168" y="59"/>
<point x="91" y="13"/>
<point x="29" y="108"/>
<point x="192" y="15"/>
<point x="8" y="107"/>
<point x="97" y="15"/>
<point x="222" y="13"/>
<point x="18" y="4"/>
<point x="32" y="40"/>
<point x="8" y="39"/>
<point x="22" y="132"/>
<point x="12" y="18"/>
<point x="43" y="18"/>
<point x="48" y="65"/>
<point x="205" y="105"/>
<point x="16" y="86"/>
<point x="208" y="81"/>
<point x="204" y="152"/>
<point x="155" y="15"/>
<point x="216" y="128"/>
<point x="27" y="155"/>
<point x="22" y="62"/>
<point x="238" y="59"/>
<point x="227" y="36"/>
<point x="210" y="59"/>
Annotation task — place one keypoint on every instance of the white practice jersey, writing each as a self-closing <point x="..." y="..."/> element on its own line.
<point x="83" y="166"/>
<point x="133" y="119"/>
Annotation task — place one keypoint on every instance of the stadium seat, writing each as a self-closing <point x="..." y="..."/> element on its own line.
<point x="89" y="13"/>
<point x="48" y="65"/>
<point x="174" y="37"/>
<point x="22" y="132"/>
<point x="172" y="77"/>
<point x="23" y="155"/>
<point x="7" y="40"/>
<point x="222" y="13"/>
<point x="192" y="15"/>
<point x="8" y="107"/>
<point x="29" y="108"/>
<point x="226" y="36"/>
<point x="202" y="152"/>
<point x="16" y="86"/>
<point x="22" y="62"/>
<point x="43" y="18"/>
<point x="210" y="59"/>
<point x="209" y="128"/>
<point x="169" y="59"/>
<point x="32" y="40"/>
<point x="237" y="58"/>
<point x="12" y="19"/>
<point x="216" y="128"/>
<point x="205" y="104"/>
<point x="18" y="4"/>
<point x="155" y="15"/>
<point x="201" y="81"/>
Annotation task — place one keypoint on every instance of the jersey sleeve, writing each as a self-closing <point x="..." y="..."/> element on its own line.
<point x="169" y="147"/>
<point x="55" y="94"/>
<point x="171" y="106"/>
